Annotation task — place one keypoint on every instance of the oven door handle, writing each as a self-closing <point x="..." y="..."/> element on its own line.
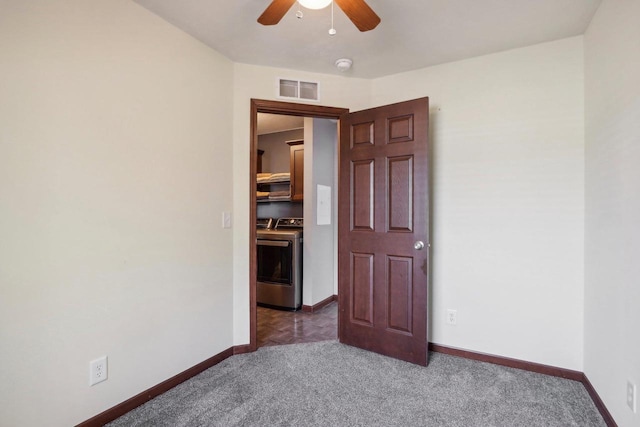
<point x="279" y="243"/>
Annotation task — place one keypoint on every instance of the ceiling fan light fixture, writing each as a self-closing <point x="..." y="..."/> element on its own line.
<point x="315" y="4"/>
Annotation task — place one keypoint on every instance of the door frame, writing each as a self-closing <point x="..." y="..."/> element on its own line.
<point x="289" y="109"/>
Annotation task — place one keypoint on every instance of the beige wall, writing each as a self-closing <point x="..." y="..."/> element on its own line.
<point x="612" y="231"/>
<point x="276" y="157"/>
<point x="114" y="168"/>
<point x="507" y="193"/>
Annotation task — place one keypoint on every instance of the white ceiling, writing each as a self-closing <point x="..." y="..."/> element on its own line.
<point x="413" y="33"/>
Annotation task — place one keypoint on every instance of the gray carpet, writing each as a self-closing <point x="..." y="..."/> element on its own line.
<point x="330" y="384"/>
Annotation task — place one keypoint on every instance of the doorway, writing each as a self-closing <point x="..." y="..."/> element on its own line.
<point x="285" y="323"/>
<point x="384" y="223"/>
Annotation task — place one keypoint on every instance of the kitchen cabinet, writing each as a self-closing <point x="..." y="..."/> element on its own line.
<point x="259" y="161"/>
<point x="296" y="167"/>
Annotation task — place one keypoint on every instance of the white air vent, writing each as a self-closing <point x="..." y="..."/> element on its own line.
<point x="297" y="89"/>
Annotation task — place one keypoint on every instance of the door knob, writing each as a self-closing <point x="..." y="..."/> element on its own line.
<point x="419" y="245"/>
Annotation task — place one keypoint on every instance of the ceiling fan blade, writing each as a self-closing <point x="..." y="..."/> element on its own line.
<point x="275" y="11"/>
<point x="360" y="14"/>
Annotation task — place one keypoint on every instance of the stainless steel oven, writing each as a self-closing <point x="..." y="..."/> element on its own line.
<point x="279" y="262"/>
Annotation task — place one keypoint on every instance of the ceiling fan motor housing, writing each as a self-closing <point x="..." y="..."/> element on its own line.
<point x="358" y="11"/>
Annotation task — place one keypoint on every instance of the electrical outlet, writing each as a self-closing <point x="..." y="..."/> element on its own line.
<point x="452" y="317"/>
<point x="98" y="370"/>
<point x="631" y="396"/>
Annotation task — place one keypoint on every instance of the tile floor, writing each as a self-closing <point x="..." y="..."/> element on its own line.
<point x="276" y="327"/>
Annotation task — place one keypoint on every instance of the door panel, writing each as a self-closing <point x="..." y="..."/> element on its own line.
<point x="400" y="291"/>
<point x="362" y="288"/>
<point x="383" y="211"/>
<point x="400" y="194"/>
<point x="362" y="134"/>
<point x="400" y="129"/>
<point x="362" y="198"/>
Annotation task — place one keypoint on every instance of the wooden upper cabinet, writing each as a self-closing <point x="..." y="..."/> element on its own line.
<point x="296" y="167"/>
<point x="259" y="162"/>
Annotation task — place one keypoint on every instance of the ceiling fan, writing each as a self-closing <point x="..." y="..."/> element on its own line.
<point x="358" y="11"/>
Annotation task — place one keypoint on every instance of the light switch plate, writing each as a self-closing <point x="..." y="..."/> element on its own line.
<point x="631" y="396"/>
<point x="226" y="219"/>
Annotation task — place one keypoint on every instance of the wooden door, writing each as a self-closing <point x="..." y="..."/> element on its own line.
<point x="383" y="217"/>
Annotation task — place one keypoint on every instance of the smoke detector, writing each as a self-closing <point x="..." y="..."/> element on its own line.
<point x="344" y="64"/>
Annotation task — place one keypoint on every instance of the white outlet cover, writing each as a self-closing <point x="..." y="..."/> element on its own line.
<point x="452" y="317"/>
<point x="98" y="371"/>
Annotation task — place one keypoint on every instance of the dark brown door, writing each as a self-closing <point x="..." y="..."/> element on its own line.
<point x="383" y="222"/>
